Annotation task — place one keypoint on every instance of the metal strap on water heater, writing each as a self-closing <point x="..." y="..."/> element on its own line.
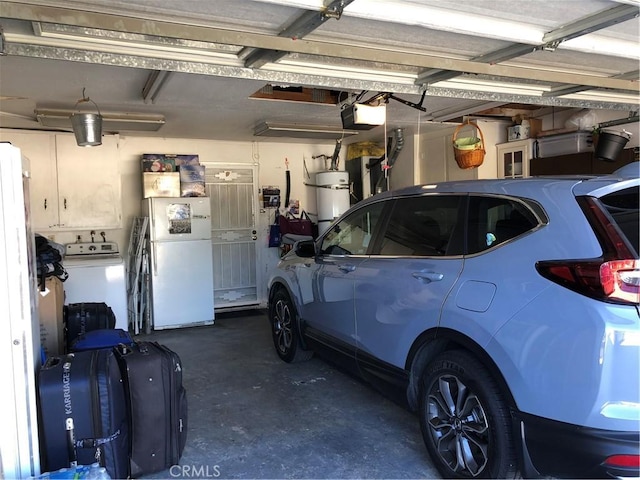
<point x="338" y="186"/>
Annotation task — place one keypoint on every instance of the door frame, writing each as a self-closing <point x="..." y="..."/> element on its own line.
<point x="260" y="290"/>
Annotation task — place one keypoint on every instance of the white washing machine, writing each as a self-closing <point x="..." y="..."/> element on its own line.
<point x="97" y="273"/>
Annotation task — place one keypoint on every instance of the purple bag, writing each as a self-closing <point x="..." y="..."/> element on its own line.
<point x="297" y="226"/>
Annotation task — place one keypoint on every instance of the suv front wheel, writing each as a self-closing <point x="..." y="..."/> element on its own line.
<point x="464" y="420"/>
<point x="284" y="329"/>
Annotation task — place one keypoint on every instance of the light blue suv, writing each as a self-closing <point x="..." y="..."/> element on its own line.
<point x="504" y="312"/>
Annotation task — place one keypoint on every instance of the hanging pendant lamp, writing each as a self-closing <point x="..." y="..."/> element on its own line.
<point x="87" y="127"/>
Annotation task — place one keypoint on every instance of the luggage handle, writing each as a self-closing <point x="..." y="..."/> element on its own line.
<point x="51" y="362"/>
<point x="71" y="442"/>
<point x="96" y="442"/>
<point x="125" y="349"/>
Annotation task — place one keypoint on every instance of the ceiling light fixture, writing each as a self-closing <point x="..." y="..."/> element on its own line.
<point x="87" y="127"/>
<point x="111" y="122"/>
<point x="294" y="130"/>
<point x="459" y="111"/>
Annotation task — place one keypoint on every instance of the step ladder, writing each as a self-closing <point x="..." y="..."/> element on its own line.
<point x="138" y="277"/>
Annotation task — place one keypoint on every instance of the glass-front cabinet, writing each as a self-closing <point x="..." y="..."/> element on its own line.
<point x="514" y="157"/>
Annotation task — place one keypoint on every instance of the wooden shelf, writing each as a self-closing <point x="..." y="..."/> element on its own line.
<point x="579" y="164"/>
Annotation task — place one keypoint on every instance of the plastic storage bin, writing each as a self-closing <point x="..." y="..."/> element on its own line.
<point x="564" y="144"/>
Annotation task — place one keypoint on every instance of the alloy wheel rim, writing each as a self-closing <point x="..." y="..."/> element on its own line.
<point x="282" y="326"/>
<point x="458" y="426"/>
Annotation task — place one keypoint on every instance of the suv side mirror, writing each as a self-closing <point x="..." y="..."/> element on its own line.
<point x="305" y="248"/>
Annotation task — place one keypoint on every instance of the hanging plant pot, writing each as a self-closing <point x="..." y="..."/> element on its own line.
<point x="610" y="144"/>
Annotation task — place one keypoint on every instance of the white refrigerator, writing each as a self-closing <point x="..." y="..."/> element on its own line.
<point x="181" y="257"/>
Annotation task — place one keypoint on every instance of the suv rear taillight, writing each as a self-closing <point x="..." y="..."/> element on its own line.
<point x="623" y="461"/>
<point x="614" y="277"/>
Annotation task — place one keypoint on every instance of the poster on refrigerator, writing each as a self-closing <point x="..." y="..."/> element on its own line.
<point x="179" y="216"/>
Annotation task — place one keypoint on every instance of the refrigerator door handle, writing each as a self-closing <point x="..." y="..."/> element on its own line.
<point x="154" y="252"/>
<point x="152" y="217"/>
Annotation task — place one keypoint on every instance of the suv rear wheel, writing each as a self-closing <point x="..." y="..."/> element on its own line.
<point x="464" y="420"/>
<point x="284" y="329"/>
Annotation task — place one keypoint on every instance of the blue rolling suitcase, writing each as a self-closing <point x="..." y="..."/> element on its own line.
<point x="103" y="338"/>
<point x="84" y="416"/>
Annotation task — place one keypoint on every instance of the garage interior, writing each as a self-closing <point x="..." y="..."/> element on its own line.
<point x="258" y="83"/>
<point x="253" y="416"/>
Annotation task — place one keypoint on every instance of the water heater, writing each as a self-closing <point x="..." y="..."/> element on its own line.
<point x="332" y="196"/>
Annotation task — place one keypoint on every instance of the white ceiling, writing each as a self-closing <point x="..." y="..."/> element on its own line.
<point x="55" y="49"/>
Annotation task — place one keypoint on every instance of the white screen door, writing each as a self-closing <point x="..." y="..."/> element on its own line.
<point x="231" y="191"/>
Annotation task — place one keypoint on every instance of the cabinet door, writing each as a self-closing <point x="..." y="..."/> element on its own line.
<point x="437" y="161"/>
<point x="39" y="148"/>
<point x="513" y="163"/>
<point x="88" y="183"/>
<point x="513" y="159"/>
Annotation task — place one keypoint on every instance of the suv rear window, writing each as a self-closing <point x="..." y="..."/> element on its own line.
<point x="623" y="206"/>
<point x="494" y="220"/>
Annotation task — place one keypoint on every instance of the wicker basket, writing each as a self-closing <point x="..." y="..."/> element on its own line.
<point x="469" y="157"/>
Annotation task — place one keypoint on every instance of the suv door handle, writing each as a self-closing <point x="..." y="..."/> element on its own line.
<point x="346" y="267"/>
<point x="428" y="277"/>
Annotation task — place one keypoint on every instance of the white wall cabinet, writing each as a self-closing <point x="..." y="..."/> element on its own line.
<point x="71" y="187"/>
<point x="88" y="184"/>
<point x="40" y="150"/>
<point x="514" y="158"/>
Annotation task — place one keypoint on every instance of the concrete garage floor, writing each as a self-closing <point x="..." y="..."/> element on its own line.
<point x="253" y="416"/>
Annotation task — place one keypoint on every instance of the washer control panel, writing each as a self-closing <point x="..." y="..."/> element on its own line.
<point x="91" y="248"/>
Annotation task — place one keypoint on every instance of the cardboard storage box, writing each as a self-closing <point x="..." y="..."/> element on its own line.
<point x="518" y="132"/>
<point x="169" y="159"/>
<point x="530" y="128"/>
<point x="535" y="127"/>
<point x="158" y="165"/>
<point x="564" y="144"/>
<point x="192" y="181"/>
<point x="50" y="312"/>
<point x="161" y="184"/>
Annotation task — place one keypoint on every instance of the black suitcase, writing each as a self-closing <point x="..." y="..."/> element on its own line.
<point x="83" y="412"/>
<point x="152" y="376"/>
<point x="80" y="318"/>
